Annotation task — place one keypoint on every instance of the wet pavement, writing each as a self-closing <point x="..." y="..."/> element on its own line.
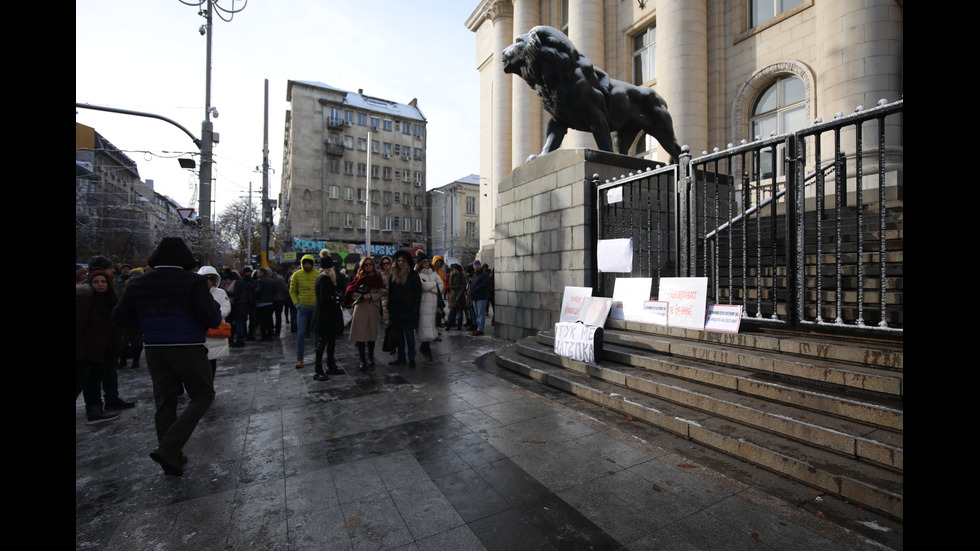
<point x="457" y="455"/>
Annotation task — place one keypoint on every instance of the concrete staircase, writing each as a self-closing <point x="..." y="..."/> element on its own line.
<point x="826" y="411"/>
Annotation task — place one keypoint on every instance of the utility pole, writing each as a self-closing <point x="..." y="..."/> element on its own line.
<point x="266" y="204"/>
<point x="207" y="135"/>
<point x="367" y="201"/>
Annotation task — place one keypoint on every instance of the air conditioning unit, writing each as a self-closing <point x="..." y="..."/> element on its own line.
<point x="347" y="123"/>
<point x="387" y="155"/>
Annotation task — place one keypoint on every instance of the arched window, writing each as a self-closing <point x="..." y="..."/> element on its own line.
<point x="780" y="108"/>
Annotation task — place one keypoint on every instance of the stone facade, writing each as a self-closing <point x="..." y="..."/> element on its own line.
<point x="711" y="65"/>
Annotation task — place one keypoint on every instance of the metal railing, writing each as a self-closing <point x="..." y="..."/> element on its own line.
<point x="795" y="236"/>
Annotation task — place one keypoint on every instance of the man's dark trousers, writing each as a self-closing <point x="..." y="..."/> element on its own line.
<point x="170" y="366"/>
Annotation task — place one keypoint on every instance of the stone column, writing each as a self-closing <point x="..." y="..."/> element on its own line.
<point x="682" y="72"/>
<point x="500" y="13"/>
<point x="585" y="29"/>
<point x="526" y="124"/>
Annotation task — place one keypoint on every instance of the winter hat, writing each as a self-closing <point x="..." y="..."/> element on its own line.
<point x="172" y="251"/>
<point x="325" y="260"/>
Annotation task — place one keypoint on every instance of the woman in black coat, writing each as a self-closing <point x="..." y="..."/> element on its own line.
<point x="328" y="320"/>
<point x="98" y="341"/>
<point x="404" y="302"/>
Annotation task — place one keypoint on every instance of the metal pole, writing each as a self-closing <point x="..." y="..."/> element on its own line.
<point x="204" y="197"/>
<point x="266" y="206"/>
<point x="367" y="201"/>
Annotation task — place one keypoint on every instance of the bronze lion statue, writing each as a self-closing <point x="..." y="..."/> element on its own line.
<point x="581" y="96"/>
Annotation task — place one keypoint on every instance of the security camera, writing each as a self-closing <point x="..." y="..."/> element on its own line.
<point x="203" y="30"/>
<point x="214" y="112"/>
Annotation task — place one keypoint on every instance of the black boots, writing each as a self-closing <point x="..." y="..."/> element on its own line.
<point x="365" y="358"/>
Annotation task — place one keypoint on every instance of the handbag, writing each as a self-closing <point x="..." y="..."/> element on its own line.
<point x="223" y="330"/>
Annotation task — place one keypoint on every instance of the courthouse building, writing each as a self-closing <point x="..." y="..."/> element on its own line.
<point x="335" y="138"/>
<point x="729" y="71"/>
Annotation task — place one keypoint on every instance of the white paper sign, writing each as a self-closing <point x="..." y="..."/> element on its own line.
<point x="723" y="317"/>
<point x="572" y="301"/>
<point x="655" y="312"/>
<point x="615" y="255"/>
<point x="687" y="298"/>
<point x="629" y="293"/>
<point x="614" y="195"/>
<point x="595" y="310"/>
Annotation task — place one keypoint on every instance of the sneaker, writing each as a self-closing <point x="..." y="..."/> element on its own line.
<point x="118" y="403"/>
<point x="95" y="415"/>
<point x="321" y="377"/>
<point x="299" y="363"/>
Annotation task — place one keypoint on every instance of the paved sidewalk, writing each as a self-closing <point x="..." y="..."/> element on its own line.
<point x="456" y="455"/>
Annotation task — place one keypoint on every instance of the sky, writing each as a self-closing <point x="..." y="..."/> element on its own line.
<point x="149" y="56"/>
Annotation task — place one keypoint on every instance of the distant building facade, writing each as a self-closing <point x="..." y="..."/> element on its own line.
<point x="728" y="70"/>
<point x="116" y="213"/>
<point x="333" y="140"/>
<point x="455" y="220"/>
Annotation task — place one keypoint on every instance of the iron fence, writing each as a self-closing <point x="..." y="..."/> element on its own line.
<point x="794" y="235"/>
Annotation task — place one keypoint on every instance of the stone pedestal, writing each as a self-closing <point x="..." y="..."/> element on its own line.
<point x="545" y="237"/>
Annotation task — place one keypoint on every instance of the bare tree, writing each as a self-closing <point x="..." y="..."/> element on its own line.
<point x="239" y="225"/>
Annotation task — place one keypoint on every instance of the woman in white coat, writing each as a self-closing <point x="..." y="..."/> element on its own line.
<point x="431" y="290"/>
<point x="217" y="346"/>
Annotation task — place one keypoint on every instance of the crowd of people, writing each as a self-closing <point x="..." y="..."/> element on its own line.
<point x="183" y="318"/>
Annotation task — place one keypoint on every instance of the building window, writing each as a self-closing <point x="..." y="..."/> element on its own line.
<point x="333" y="219"/>
<point x="362" y="144"/>
<point x="387" y="124"/>
<point x="334" y="165"/>
<point x="645" y="56"/>
<point x="375" y="123"/>
<point x="362" y="119"/>
<point x="349" y="117"/>
<point x="349" y="167"/>
<point x="349" y="142"/>
<point x="471" y="205"/>
<point x="375" y="146"/>
<point x="375" y="196"/>
<point x="386" y="173"/>
<point x="398" y="198"/>
<point x="360" y="194"/>
<point x="334" y="117"/>
<point x="387" y="151"/>
<point x="335" y="192"/>
<point x="406" y="224"/>
<point x="361" y="169"/>
<point x="780" y="109"/>
<point x="471" y="231"/>
<point x="761" y="11"/>
<point x="418" y="178"/>
<point x="407" y="129"/>
<point x="418" y="154"/>
<point x="418" y="201"/>
<point x="418" y="225"/>
<point x="387" y="224"/>
<point x="375" y="171"/>
<point x="348" y="220"/>
<point x="349" y="193"/>
<point x="387" y="197"/>
<point x="418" y="131"/>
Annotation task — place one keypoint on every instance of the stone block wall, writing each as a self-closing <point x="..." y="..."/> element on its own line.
<point x="544" y="235"/>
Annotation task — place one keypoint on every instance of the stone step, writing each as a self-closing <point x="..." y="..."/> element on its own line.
<point x="725" y="392"/>
<point x="879" y="353"/>
<point x="885" y="413"/>
<point x="869" y="381"/>
<point x="861" y="482"/>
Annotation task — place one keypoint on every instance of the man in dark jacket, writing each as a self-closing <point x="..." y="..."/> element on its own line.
<point x="173" y="307"/>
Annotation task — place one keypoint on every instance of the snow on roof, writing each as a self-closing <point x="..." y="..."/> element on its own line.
<point x="360" y="101"/>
